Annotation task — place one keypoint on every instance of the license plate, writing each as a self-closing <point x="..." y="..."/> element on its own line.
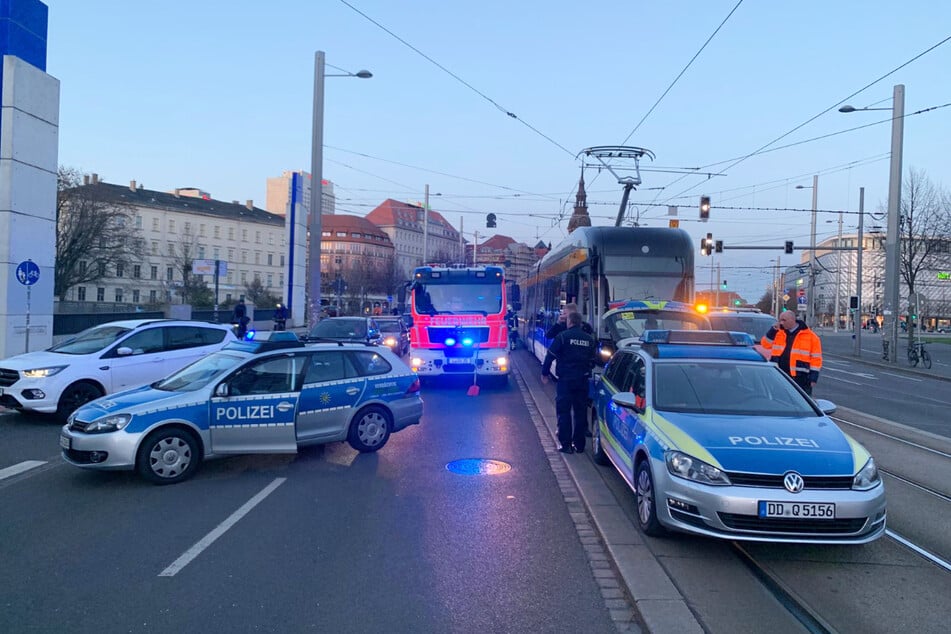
<point x="65" y="442"/>
<point x="459" y="360"/>
<point x="797" y="510"/>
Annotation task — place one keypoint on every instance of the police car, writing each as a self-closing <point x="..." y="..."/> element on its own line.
<point x="260" y="396"/>
<point x="714" y="440"/>
<point x="625" y="321"/>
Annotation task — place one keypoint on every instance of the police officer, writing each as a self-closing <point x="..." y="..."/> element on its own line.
<point x="575" y="351"/>
<point x="796" y="349"/>
<point x="561" y="325"/>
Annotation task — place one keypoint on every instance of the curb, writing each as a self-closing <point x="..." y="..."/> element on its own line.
<point x="894" y="367"/>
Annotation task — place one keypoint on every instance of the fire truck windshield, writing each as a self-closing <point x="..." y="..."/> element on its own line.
<point x="458" y="299"/>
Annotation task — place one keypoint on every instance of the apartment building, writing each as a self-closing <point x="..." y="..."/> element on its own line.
<point x="403" y="223"/>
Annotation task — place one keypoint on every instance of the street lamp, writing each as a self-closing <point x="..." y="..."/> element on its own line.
<point x="314" y="225"/>
<point x="811" y="296"/>
<point x="892" y="235"/>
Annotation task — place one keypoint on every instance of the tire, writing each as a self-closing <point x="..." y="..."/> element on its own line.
<point x="370" y="429"/>
<point x="926" y="359"/>
<point x="597" y="449"/>
<point x="645" y="499"/>
<point x="75" y="396"/>
<point x="912" y="357"/>
<point x="168" y="455"/>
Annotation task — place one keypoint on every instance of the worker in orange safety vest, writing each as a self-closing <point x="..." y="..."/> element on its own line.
<point x="796" y="349"/>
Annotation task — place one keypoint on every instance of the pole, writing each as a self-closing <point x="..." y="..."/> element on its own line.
<point x="893" y="237"/>
<point x="838" y="275"/>
<point x="426" y="228"/>
<point x="28" y="289"/>
<point x="217" y="267"/>
<point x="475" y="249"/>
<point x="716" y="301"/>
<point x="811" y="293"/>
<point x="858" y="280"/>
<point x="315" y="225"/>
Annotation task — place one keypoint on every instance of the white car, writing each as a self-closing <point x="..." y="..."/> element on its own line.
<point x="104" y="359"/>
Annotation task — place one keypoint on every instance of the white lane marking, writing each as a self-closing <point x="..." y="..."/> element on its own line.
<point x="902" y="376"/>
<point x="839" y="378"/>
<point x="219" y="530"/>
<point x="836" y="361"/>
<point x="918" y="549"/>
<point x="864" y="375"/>
<point x="19" y="468"/>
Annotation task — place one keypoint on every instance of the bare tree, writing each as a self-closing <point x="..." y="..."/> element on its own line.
<point x="94" y="233"/>
<point x="256" y="293"/>
<point x="765" y="303"/>
<point x="194" y="290"/>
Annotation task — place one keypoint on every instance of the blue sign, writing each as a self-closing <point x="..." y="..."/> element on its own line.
<point x="28" y="273"/>
<point x="801" y="300"/>
<point x="389" y="298"/>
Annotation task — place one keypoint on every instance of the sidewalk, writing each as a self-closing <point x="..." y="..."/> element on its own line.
<point x="840" y="345"/>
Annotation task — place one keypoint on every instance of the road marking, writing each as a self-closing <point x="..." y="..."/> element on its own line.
<point x="837" y="362"/>
<point x="902" y="376"/>
<point x="839" y="378"/>
<point x="918" y="549"/>
<point x="22" y="467"/>
<point x="864" y="375"/>
<point x="219" y="530"/>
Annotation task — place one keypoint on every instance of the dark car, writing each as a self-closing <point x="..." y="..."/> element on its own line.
<point x="754" y="323"/>
<point x="346" y="329"/>
<point x="395" y="334"/>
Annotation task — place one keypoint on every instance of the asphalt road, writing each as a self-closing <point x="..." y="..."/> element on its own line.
<point x="337" y="541"/>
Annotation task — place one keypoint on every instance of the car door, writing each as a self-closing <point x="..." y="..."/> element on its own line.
<point x="144" y="364"/>
<point x="254" y="409"/>
<point x="332" y="387"/>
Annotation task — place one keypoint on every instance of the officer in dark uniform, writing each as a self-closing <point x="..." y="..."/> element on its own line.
<point x="575" y="351"/>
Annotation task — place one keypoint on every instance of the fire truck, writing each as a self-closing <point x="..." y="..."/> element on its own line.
<point x="459" y="322"/>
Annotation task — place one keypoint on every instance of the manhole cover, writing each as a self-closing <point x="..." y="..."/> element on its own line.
<point x="478" y="466"/>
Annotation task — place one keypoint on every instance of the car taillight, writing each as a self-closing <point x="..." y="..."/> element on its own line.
<point x="414" y="387"/>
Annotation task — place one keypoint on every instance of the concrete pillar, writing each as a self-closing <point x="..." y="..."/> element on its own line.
<point x="29" y="133"/>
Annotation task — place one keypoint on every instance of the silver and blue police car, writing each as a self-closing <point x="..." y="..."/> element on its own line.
<point x="250" y="397"/>
<point x="716" y="441"/>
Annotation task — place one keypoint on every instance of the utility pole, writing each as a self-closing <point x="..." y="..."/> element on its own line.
<point x="838" y="275"/>
<point x="893" y="237"/>
<point x="716" y="301"/>
<point x="811" y="299"/>
<point x="426" y="228"/>
<point x="858" y="282"/>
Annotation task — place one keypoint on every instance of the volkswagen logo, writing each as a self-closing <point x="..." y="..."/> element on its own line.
<point x="793" y="482"/>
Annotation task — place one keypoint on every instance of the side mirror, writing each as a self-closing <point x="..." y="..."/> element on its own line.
<point x="827" y="407"/>
<point x="222" y="390"/>
<point x="627" y="401"/>
<point x="124" y="351"/>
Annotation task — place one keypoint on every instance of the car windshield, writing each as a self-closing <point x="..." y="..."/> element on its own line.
<point x="633" y="323"/>
<point x="756" y="324"/>
<point x="390" y="326"/>
<point x="198" y="374"/>
<point x="722" y="387"/>
<point x="455" y="299"/>
<point x="340" y="329"/>
<point x="92" y="340"/>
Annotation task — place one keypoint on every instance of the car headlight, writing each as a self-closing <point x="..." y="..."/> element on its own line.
<point x="390" y="341"/>
<point x="42" y="373"/>
<point x="867" y="477"/>
<point x="113" y="422"/>
<point x="689" y="468"/>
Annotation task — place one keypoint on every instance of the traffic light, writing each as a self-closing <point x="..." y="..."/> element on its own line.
<point x="853" y="302"/>
<point x="704" y="208"/>
<point x="736" y="302"/>
<point x="490" y="221"/>
<point x="718" y="246"/>
<point x="706" y="245"/>
<point x="723" y="284"/>
<point x="789" y="245"/>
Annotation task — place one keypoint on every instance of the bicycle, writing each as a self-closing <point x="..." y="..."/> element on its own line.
<point x="916" y="353"/>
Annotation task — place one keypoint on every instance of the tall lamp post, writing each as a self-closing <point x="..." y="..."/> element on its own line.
<point x="314" y="225"/>
<point x="892" y="235"/>
<point x="811" y="292"/>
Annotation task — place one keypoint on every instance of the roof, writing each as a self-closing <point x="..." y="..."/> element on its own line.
<point x="497" y="243"/>
<point x="354" y="224"/>
<point x="392" y="213"/>
<point x="123" y="195"/>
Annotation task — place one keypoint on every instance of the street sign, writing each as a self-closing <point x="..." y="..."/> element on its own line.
<point x="785" y="298"/>
<point x="801" y="300"/>
<point x="28" y="273"/>
<point x="207" y="267"/>
<point x="389" y="298"/>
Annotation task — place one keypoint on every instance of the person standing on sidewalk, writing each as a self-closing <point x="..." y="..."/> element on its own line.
<point x="796" y="349"/>
<point x="575" y="350"/>
<point x="561" y="325"/>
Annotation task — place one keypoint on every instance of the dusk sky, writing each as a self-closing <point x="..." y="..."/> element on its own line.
<point x="218" y="94"/>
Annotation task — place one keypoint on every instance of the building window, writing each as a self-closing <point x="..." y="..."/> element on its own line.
<point x="138" y="222"/>
<point x="188" y="228"/>
<point x="169" y="273"/>
<point x="257" y="257"/>
<point x="100" y="294"/>
<point x="102" y="269"/>
<point x="341" y="234"/>
<point x="231" y="233"/>
<point x="171" y="226"/>
<point x="244" y="256"/>
<point x="81" y="293"/>
<point x="270" y="280"/>
<point x="227" y="298"/>
<point x="324" y="234"/>
<point x="244" y="277"/>
<point x="282" y="260"/>
<point x="244" y="235"/>
<point x="201" y="253"/>
<point x="137" y="271"/>
<point x="270" y="238"/>
<point x="154" y="272"/>
<point x="270" y="259"/>
<point x="216" y="253"/>
<point x="217" y="231"/>
<point x="118" y="295"/>
<point x="155" y="224"/>
<point x="120" y="269"/>
<point x="201" y="230"/>
<point x="280" y="280"/>
<point x="231" y="255"/>
<point x="257" y="237"/>
<point x="171" y="248"/>
<point x="135" y="296"/>
<point x="154" y="247"/>
<point x="153" y="297"/>
<point x="82" y="267"/>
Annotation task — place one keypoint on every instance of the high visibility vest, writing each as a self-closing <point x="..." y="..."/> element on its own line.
<point x="805" y="355"/>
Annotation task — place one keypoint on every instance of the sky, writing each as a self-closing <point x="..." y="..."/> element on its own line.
<point x="218" y="94"/>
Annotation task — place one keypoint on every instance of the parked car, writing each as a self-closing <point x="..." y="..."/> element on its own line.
<point x="346" y="329"/>
<point x="104" y="359"/>
<point x="251" y="397"/>
<point x="752" y="322"/>
<point x="713" y="440"/>
<point x="395" y="334"/>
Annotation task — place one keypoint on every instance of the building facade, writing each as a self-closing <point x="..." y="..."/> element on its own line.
<point x="516" y="257"/>
<point x="403" y="223"/>
<point x="279" y="192"/>
<point x="357" y="263"/>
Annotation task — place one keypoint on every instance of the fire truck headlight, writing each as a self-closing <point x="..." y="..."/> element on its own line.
<point x="502" y="361"/>
<point x="416" y="362"/>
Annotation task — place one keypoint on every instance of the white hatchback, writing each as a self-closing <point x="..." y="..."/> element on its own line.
<point x="104" y="359"/>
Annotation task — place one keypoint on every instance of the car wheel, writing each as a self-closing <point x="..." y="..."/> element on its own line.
<point x="646" y="500"/>
<point x="370" y="429"/>
<point x="598" y="449"/>
<point x="75" y="396"/>
<point x="168" y="455"/>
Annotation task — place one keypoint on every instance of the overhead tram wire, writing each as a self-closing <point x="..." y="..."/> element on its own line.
<point x="507" y="112"/>
<point x="762" y="148"/>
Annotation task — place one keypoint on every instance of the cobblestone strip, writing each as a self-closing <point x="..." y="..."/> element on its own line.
<point x="616" y="602"/>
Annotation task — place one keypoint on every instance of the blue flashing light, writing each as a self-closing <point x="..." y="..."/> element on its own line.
<point x="249" y="336"/>
<point x="467" y="341"/>
<point x="450" y="341"/>
<point x="741" y="338"/>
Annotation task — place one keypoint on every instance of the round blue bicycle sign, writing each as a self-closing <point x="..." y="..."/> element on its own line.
<point x="28" y="273"/>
